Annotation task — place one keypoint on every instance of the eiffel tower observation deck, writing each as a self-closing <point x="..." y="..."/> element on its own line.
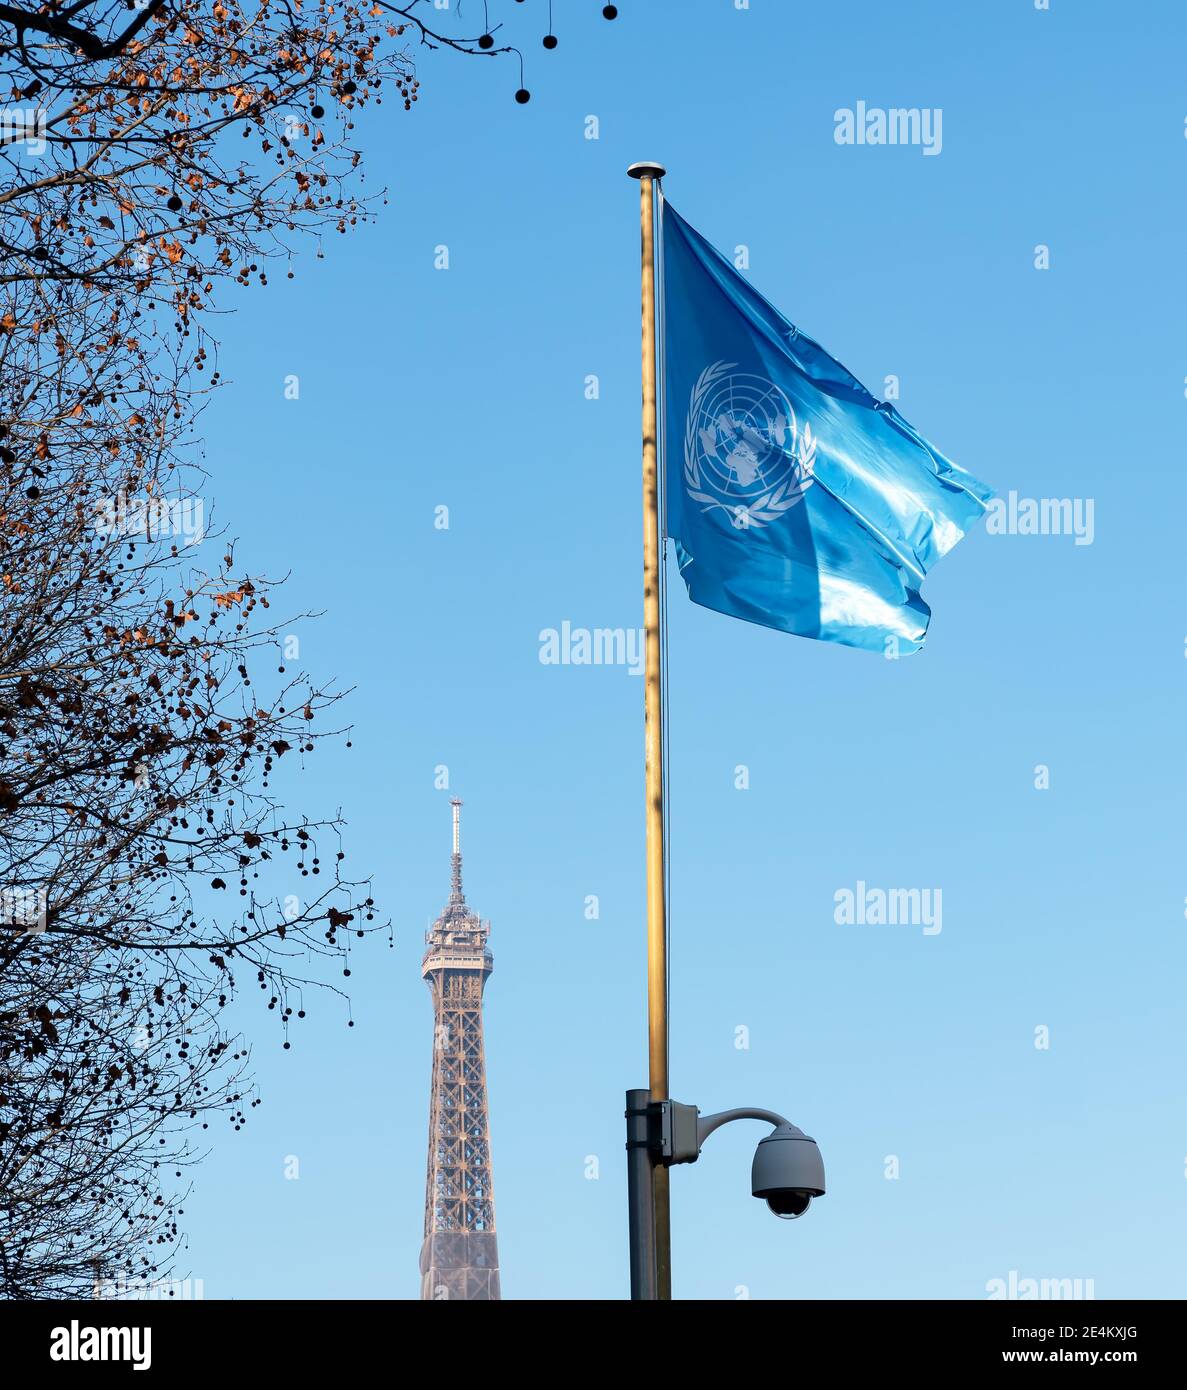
<point x="459" y="1258"/>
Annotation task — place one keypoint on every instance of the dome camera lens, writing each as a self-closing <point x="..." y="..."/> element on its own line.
<point x="789" y="1203"/>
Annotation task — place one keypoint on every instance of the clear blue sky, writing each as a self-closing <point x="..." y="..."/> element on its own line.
<point x="1062" y="908"/>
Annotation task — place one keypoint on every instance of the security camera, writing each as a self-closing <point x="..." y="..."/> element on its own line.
<point x="787" y="1172"/>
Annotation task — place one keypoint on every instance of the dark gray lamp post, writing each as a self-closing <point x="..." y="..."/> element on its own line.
<point x="787" y="1171"/>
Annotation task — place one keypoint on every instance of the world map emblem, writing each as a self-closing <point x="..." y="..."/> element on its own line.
<point x="743" y="448"/>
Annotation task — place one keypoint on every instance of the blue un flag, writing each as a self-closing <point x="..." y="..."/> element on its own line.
<point x="795" y="499"/>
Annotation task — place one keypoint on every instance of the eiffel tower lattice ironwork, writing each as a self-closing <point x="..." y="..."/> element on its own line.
<point x="459" y="1258"/>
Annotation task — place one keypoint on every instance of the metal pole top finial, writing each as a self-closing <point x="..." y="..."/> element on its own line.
<point x="646" y="169"/>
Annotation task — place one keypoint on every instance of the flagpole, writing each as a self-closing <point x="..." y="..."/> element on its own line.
<point x="657" y="946"/>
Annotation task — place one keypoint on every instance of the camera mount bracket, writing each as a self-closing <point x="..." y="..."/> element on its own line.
<point x="677" y="1132"/>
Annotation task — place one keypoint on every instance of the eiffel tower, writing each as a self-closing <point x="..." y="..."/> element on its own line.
<point x="459" y="1258"/>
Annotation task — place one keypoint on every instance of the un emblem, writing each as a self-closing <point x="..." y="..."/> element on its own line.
<point x="743" y="451"/>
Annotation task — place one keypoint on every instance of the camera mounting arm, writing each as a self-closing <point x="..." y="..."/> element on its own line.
<point x="681" y="1130"/>
<point x="708" y="1123"/>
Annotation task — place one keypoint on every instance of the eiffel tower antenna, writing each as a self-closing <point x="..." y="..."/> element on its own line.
<point x="455" y="894"/>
